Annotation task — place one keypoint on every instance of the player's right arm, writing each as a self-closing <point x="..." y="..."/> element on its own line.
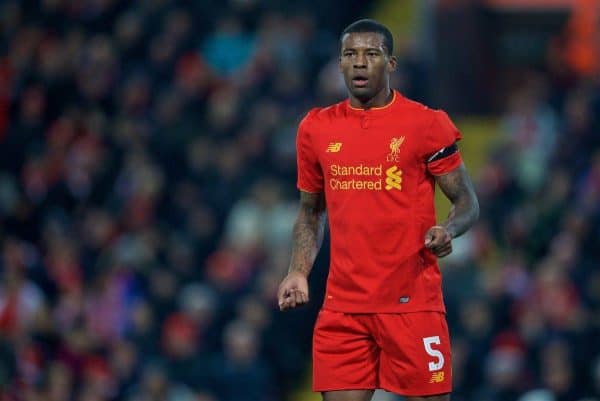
<point x="309" y="228"/>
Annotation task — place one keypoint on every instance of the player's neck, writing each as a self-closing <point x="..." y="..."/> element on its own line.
<point x="381" y="99"/>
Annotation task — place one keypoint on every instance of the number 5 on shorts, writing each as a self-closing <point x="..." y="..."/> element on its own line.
<point x="427" y="341"/>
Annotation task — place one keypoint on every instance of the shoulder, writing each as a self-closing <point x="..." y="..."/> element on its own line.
<point x="427" y="113"/>
<point x="439" y="130"/>
<point x="323" y="115"/>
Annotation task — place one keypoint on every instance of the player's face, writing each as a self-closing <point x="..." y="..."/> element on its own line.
<point x="365" y="64"/>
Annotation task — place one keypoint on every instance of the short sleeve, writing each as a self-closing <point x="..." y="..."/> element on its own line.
<point x="441" y="135"/>
<point x="310" y="175"/>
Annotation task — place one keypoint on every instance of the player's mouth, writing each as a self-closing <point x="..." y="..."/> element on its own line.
<point x="360" y="81"/>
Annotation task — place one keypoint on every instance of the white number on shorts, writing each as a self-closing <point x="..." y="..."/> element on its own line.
<point x="427" y="341"/>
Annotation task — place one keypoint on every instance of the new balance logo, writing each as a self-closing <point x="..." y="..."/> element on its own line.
<point x="334" y="147"/>
<point x="437" y="377"/>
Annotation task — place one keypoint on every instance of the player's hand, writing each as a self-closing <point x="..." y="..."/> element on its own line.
<point x="439" y="241"/>
<point x="293" y="291"/>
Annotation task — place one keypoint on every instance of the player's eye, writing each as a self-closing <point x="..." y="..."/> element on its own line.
<point x="373" y="54"/>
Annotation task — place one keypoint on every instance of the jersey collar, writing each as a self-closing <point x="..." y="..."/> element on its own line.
<point x="375" y="110"/>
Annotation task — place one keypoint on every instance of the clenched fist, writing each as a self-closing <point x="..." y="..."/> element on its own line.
<point x="439" y="241"/>
<point x="293" y="291"/>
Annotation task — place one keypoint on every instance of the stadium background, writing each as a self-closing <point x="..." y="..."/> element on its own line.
<point x="147" y="192"/>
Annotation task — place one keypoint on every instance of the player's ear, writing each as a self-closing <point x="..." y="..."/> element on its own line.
<point x="392" y="63"/>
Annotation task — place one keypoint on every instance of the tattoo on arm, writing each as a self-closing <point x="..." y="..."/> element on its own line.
<point x="308" y="232"/>
<point x="457" y="187"/>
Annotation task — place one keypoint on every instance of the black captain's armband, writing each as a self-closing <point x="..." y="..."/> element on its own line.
<point x="444" y="152"/>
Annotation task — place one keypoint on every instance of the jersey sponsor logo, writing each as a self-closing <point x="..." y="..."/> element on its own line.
<point x="393" y="178"/>
<point x="334" y="147"/>
<point x="364" y="177"/>
<point x="395" y="144"/>
<point x="437" y="377"/>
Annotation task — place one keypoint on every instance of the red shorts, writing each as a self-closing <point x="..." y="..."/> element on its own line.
<point x="404" y="353"/>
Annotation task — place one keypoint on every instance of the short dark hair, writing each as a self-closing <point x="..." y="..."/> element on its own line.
<point x="370" y="25"/>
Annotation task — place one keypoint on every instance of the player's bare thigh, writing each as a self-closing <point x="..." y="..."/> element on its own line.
<point x="366" y="395"/>
<point x="348" y="395"/>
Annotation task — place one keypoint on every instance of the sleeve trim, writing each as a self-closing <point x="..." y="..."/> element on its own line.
<point x="443" y="153"/>
<point x="314" y="191"/>
<point x="445" y="165"/>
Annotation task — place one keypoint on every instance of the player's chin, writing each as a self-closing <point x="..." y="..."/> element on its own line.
<point x="362" y="92"/>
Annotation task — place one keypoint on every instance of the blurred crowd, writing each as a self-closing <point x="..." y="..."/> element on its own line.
<point x="523" y="287"/>
<point x="147" y="171"/>
<point x="147" y="164"/>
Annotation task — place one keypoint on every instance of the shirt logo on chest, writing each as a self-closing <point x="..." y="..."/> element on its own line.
<point x="334" y="147"/>
<point x="395" y="144"/>
<point x="354" y="174"/>
<point x="393" y="178"/>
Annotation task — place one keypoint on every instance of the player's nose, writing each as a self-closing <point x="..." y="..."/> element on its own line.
<point x="360" y="61"/>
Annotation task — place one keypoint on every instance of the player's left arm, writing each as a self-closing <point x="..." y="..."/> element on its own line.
<point x="458" y="188"/>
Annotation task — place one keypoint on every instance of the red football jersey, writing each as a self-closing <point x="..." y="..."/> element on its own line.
<point x="379" y="190"/>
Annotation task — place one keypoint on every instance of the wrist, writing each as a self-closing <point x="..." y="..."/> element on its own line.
<point x="297" y="272"/>
<point x="450" y="230"/>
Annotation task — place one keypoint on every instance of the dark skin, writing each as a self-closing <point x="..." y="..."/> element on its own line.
<point x="307" y="239"/>
<point x="366" y="66"/>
